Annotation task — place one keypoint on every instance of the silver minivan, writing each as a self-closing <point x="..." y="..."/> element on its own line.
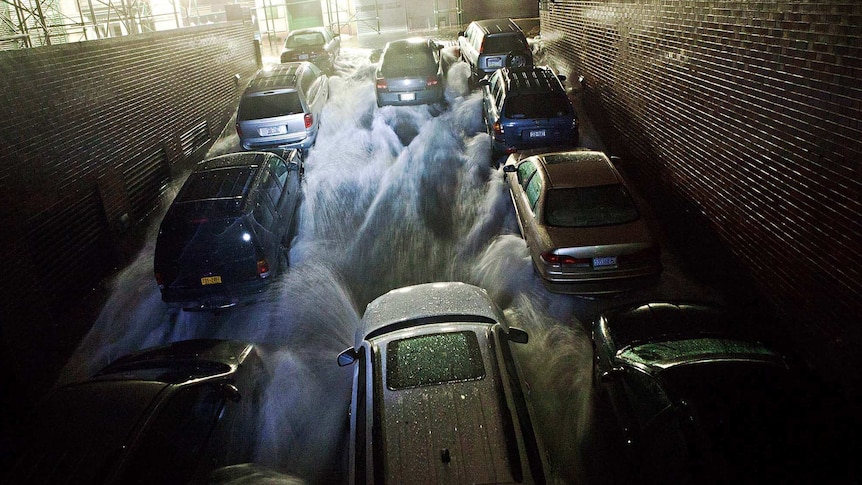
<point x="281" y="107"/>
<point x="436" y="393"/>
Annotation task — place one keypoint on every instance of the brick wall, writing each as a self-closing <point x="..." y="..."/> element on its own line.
<point x="750" y="114"/>
<point x="90" y="133"/>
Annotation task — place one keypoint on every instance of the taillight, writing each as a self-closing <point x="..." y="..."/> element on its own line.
<point x="563" y="260"/>
<point x="262" y="268"/>
<point x="432" y="81"/>
<point x="160" y="280"/>
<point x="649" y="254"/>
<point x="381" y="83"/>
<point x="238" y="130"/>
<point x="309" y="120"/>
<point x="498" y="131"/>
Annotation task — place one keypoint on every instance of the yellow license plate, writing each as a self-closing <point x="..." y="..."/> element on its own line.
<point x="211" y="280"/>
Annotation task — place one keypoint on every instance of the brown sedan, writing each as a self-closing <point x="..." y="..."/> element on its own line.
<point x="583" y="229"/>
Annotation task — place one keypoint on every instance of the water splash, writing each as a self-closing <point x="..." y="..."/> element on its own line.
<point x="392" y="197"/>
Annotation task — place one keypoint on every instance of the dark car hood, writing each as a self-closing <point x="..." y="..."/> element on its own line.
<point x="80" y="430"/>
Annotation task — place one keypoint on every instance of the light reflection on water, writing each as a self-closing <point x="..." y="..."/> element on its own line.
<point x="393" y="197"/>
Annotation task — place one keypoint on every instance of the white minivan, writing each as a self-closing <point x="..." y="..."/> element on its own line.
<point x="281" y="106"/>
<point x="436" y="394"/>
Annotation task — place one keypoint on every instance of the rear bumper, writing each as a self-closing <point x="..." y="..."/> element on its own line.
<point x="394" y="98"/>
<point x="601" y="282"/>
<point x="304" y="144"/>
<point x="217" y="298"/>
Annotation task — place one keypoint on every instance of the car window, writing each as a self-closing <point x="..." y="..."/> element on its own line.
<point x="257" y="106"/>
<point x="505" y="43"/>
<point x="533" y="191"/>
<point x="397" y="62"/>
<point x="308" y="78"/>
<point x="263" y="213"/>
<point x="525" y="171"/>
<point x="537" y="106"/>
<point x="304" y="39"/>
<point x="433" y="359"/>
<point x="589" y="206"/>
<point x="272" y="187"/>
<point x="279" y="170"/>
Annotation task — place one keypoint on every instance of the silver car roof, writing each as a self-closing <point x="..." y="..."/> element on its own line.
<point x="426" y="303"/>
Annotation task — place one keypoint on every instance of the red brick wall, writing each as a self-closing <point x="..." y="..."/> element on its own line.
<point x="89" y="133"/>
<point x="750" y="113"/>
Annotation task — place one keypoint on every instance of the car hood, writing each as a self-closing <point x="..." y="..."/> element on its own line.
<point x="83" y="449"/>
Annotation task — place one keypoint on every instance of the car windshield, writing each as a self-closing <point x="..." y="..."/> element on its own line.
<point x="259" y="106"/>
<point x="433" y="359"/>
<point x="537" y="106"/>
<point x="601" y="205"/>
<point x="304" y="39"/>
<point x="503" y="43"/>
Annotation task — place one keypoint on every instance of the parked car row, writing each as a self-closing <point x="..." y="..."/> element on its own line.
<point x="687" y="393"/>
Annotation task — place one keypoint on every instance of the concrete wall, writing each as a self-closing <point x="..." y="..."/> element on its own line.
<point x="749" y="114"/>
<point x="491" y="9"/>
<point x="90" y="134"/>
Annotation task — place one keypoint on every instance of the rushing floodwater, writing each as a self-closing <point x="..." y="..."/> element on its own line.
<point x="393" y="197"/>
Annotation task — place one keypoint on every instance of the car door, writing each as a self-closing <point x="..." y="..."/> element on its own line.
<point x="493" y="95"/>
<point x="288" y="173"/>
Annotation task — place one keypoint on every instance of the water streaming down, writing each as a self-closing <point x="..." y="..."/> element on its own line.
<point x="393" y="197"/>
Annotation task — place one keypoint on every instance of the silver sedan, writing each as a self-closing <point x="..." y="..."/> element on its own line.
<point x="582" y="227"/>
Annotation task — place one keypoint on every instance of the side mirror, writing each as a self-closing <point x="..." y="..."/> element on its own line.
<point x="517" y="335"/>
<point x="610" y="376"/>
<point x="510" y="168"/>
<point x="561" y="77"/>
<point x="347" y="357"/>
<point x="461" y="34"/>
<point x="230" y="392"/>
<point x="484" y="82"/>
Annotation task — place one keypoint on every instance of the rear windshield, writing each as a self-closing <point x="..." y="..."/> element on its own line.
<point x="304" y="39"/>
<point x="257" y="107"/>
<point x="198" y="230"/>
<point x="433" y="359"/>
<point x="503" y="44"/>
<point x="589" y="206"/>
<point x="537" y="106"/>
<point x="414" y="61"/>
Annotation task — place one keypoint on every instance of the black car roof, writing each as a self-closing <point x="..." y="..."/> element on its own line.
<point x="531" y="80"/>
<point x="227" y="178"/>
<point x="654" y="320"/>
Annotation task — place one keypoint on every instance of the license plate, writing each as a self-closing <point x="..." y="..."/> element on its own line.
<point x="272" y="130"/>
<point x="407" y="96"/>
<point x="537" y="134"/>
<point x="303" y="57"/>
<point x="604" y="261"/>
<point x="211" y="280"/>
<point x="495" y="62"/>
